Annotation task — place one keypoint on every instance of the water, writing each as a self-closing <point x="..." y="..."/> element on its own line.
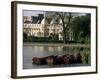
<point x="30" y="51"/>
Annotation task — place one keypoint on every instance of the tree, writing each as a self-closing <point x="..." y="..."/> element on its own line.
<point x="24" y="35"/>
<point x="66" y="19"/>
<point x="81" y="28"/>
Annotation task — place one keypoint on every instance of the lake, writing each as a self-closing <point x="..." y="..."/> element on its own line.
<point x="42" y="50"/>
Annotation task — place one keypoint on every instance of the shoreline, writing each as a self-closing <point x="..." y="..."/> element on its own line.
<point x="56" y="44"/>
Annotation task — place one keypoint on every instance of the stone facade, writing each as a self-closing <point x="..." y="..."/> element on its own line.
<point x="43" y="29"/>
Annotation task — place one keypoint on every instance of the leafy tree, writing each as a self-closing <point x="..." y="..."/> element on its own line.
<point x="81" y="28"/>
<point x="25" y="36"/>
<point x="66" y="19"/>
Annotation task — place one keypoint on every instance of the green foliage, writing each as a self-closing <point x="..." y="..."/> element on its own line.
<point x="42" y="39"/>
<point x="25" y="37"/>
<point x="86" y="58"/>
<point x="81" y="29"/>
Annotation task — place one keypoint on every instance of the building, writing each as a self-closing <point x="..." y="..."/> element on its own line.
<point x="42" y="29"/>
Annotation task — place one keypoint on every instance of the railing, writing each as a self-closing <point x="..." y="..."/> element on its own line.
<point x="32" y="25"/>
<point x="29" y="25"/>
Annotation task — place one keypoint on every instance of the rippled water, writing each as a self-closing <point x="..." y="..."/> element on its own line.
<point x="30" y="51"/>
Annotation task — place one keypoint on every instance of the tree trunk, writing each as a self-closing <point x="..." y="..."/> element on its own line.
<point x="64" y="34"/>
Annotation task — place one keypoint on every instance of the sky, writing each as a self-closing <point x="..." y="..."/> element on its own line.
<point x="35" y="13"/>
<point x="31" y="13"/>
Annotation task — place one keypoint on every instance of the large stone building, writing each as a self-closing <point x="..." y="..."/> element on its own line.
<point x="43" y="29"/>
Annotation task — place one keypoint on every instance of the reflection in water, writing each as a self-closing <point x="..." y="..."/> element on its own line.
<point x="45" y="50"/>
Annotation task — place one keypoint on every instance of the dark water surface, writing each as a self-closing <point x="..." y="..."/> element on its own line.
<point x="30" y="51"/>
